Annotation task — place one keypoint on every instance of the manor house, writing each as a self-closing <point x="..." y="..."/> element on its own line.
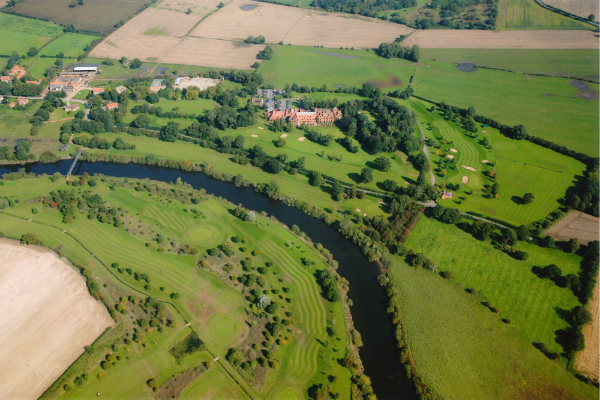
<point x="319" y="116"/>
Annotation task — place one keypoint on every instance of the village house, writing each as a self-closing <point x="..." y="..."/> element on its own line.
<point x="22" y="102"/>
<point x="17" y="71"/>
<point x="11" y="104"/>
<point x="6" y="79"/>
<point x="112" y="106"/>
<point x="319" y="116"/>
<point x="120" y="89"/>
<point x="446" y="195"/>
<point x="257" y="101"/>
<point x="72" y="107"/>
<point x="156" y="85"/>
<point x="34" y="82"/>
<point x="97" y="90"/>
<point x="180" y="80"/>
<point x="64" y="82"/>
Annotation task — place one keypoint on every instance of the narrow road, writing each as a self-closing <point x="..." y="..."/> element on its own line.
<point x="426" y="151"/>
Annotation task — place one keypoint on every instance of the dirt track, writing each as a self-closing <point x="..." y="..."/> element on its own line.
<point x="587" y="360"/>
<point x="472" y="39"/>
<point x="575" y="224"/>
<point x="47" y="318"/>
<point x="583" y="8"/>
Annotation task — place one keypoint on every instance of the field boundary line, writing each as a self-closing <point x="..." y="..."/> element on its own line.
<point x="203" y="18"/>
<point x="292" y="27"/>
<point x="137" y="290"/>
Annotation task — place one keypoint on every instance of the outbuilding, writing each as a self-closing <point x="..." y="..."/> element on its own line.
<point x="85" y="69"/>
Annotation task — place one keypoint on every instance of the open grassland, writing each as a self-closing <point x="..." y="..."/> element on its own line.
<point x="526" y="39"/>
<point x="531" y="303"/>
<point x="587" y="360"/>
<point x="297" y="26"/>
<point x="583" y="8"/>
<point x="463" y="351"/>
<point x="37" y="67"/>
<point x="97" y="15"/>
<point x="526" y="14"/>
<point x="577" y="63"/>
<point x="70" y="44"/>
<point x="522" y="167"/>
<point x="49" y="317"/>
<point x="315" y="67"/>
<point x="216" y="310"/>
<point x="548" y="107"/>
<point x="19" y="34"/>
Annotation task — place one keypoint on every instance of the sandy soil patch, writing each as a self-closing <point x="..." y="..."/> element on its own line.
<point x="301" y="138"/>
<point x="254" y="135"/>
<point x="583" y="8"/>
<point x="485" y="161"/>
<point x="454" y="150"/>
<point x="450" y="157"/>
<point x="465" y="179"/>
<point x="48" y="317"/>
<point x="283" y="136"/>
<point x="575" y="224"/>
<point x="476" y="39"/>
<point x="469" y="168"/>
<point x="201" y="83"/>
<point x="297" y="26"/>
<point x="131" y="42"/>
<point x="587" y="360"/>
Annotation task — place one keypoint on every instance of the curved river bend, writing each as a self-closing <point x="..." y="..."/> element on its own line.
<point x="379" y="353"/>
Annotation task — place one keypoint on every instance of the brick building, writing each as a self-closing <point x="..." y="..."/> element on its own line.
<point x="319" y="116"/>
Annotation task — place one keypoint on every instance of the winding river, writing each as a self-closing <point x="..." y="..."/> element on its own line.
<point x="379" y="353"/>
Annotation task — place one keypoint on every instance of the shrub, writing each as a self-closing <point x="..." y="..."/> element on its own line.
<point x="447" y="275"/>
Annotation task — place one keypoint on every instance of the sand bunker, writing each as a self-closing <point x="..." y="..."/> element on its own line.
<point x="484" y="131"/>
<point x="260" y="127"/>
<point x="301" y="138"/>
<point x="450" y="157"/>
<point x="469" y="168"/>
<point x="485" y="161"/>
<point x="254" y="135"/>
<point x="454" y="150"/>
<point x="358" y="210"/>
<point x="465" y="179"/>
<point x="48" y="317"/>
<point x="283" y="136"/>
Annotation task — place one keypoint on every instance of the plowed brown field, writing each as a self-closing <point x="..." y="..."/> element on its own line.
<point x="587" y="360"/>
<point x="583" y="227"/>
<point x="47" y="315"/>
<point x="531" y="39"/>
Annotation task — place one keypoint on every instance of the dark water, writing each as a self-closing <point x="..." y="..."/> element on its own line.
<point x="379" y="353"/>
<point x="467" y="67"/>
<point x="249" y="7"/>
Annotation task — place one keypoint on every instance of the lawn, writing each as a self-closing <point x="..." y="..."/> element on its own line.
<point x="197" y="107"/>
<point x="70" y="44"/>
<point x="97" y="15"/>
<point x="522" y="167"/>
<point x="216" y="311"/>
<point x="37" y="67"/>
<point x="573" y="62"/>
<point x="19" y="34"/>
<point x="548" y="107"/>
<point x="461" y="349"/>
<point x="526" y="14"/>
<point x="310" y="66"/>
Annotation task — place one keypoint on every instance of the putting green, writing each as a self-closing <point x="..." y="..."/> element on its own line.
<point x="203" y="235"/>
<point x="221" y="331"/>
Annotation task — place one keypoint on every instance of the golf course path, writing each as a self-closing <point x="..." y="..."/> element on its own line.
<point x="426" y="153"/>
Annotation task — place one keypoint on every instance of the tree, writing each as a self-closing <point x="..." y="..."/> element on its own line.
<point x="591" y="17"/>
<point x="317" y="179"/>
<point x="32" y="52"/>
<point x="495" y="189"/>
<point x="281" y="142"/>
<point x="573" y="245"/>
<point x="251" y="216"/>
<point x="383" y="163"/>
<point x="422" y="179"/>
<point x="274" y="166"/>
<point x="366" y="175"/>
<point x="29" y="238"/>
<point x="528" y="198"/>
<point x="519" y="132"/>
<point x="170" y="132"/>
<point x="523" y="232"/>
<point x="136" y="63"/>
<point x="551" y="271"/>
<point x="265" y="54"/>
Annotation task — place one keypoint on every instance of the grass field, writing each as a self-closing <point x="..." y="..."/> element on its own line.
<point x="70" y="44"/>
<point x="526" y="14"/>
<point x="305" y="66"/>
<point x="19" y="34"/>
<point x="578" y="63"/>
<point x="463" y="351"/>
<point x="98" y="15"/>
<point x="522" y="168"/>
<point x="548" y="107"/>
<point x="216" y="310"/>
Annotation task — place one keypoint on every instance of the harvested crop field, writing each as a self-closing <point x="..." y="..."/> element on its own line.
<point x="97" y="15"/>
<point x="297" y="26"/>
<point x="198" y="7"/>
<point x="583" y="8"/>
<point x="48" y="317"/>
<point x="130" y="41"/>
<point x="576" y="224"/>
<point x="466" y="39"/>
<point x="587" y="360"/>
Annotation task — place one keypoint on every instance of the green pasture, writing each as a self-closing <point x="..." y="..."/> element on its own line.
<point x="310" y="66"/>
<point x="522" y="167"/>
<point x="532" y="304"/>
<point x="461" y="349"/>
<point x="37" y="66"/>
<point x="70" y="44"/>
<point x="548" y="107"/>
<point x="526" y="14"/>
<point x="216" y="310"/>
<point x="19" y="34"/>
<point x="213" y="384"/>
<point x="559" y="62"/>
